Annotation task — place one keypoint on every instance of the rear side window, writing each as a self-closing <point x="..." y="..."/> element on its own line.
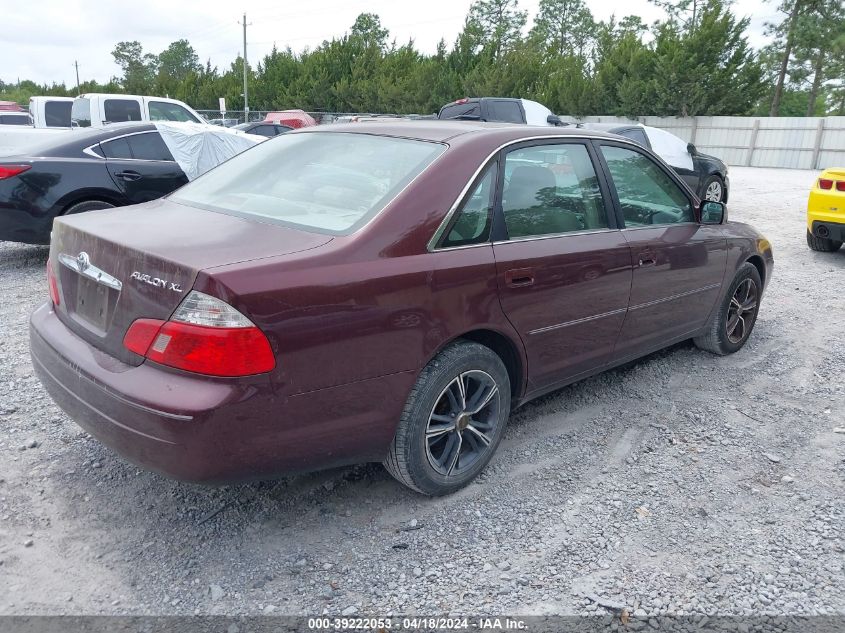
<point x="80" y="113"/>
<point x="461" y="111"/>
<point x="119" y="110"/>
<point x="149" y="146"/>
<point x="507" y="111"/>
<point x="551" y="189"/>
<point x="14" y="119"/>
<point x="57" y="113"/>
<point x="146" y="146"/>
<point x="163" y="111"/>
<point x="636" y="135"/>
<point x="472" y="223"/>
<point x="118" y="148"/>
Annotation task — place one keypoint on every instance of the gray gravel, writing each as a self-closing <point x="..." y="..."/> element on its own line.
<point x="684" y="483"/>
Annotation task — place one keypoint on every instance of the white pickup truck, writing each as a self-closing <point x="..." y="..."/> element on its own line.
<point x="91" y="110"/>
<point x="97" y="110"/>
<point x="50" y="111"/>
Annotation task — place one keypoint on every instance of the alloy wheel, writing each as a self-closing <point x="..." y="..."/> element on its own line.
<point x="741" y="311"/>
<point x="461" y="426"/>
<point x="714" y="192"/>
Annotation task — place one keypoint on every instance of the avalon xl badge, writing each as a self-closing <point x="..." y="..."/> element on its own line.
<point x="155" y="281"/>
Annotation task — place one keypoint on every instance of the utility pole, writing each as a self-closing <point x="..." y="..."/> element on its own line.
<point x="76" y="65"/>
<point x="246" y="70"/>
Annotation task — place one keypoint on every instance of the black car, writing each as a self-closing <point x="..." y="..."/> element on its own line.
<point x="263" y="128"/>
<point x="707" y="177"/>
<point x="83" y="170"/>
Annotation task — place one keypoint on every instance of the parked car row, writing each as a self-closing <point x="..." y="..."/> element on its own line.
<point x="381" y="292"/>
<point x="99" y="168"/>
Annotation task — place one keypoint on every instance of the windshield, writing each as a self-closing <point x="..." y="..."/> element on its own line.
<point x="328" y="182"/>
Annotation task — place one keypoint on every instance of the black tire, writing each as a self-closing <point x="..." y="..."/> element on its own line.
<point x="712" y="181"/>
<point x="822" y="244"/>
<point x="413" y="455"/>
<point x="87" y="205"/>
<point x="720" y="338"/>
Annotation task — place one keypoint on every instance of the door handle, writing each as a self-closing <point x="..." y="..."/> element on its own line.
<point x="648" y="258"/>
<point x="128" y="175"/>
<point x="519" y="277"/>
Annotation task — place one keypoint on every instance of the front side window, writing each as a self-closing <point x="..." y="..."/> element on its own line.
<point x="163" y="111"/>
<point x="472" y="222"/>
<point x="120" y="110"/>
<point x="646" y="193"/>
<point x="551" y="189"/>
<point x="329" y="182"/>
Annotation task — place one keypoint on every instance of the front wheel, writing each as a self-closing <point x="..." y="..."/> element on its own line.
<point x="822" y="244"/>
<point x="731" y="326"/>
<point x="714" y="189"/>
<point x="453" y="420"/>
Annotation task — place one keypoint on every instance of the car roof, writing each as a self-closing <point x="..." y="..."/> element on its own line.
<point x="445" y="130"/>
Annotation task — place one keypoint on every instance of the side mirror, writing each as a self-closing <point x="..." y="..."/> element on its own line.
<point x="691" y="149"/>
<point x="712" y="212"/>
<point x="554" y="119"/>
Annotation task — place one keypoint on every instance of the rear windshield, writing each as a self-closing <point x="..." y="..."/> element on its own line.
<point x="327" y="182"/>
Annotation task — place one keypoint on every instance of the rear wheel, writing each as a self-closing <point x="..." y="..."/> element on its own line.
<point x="735" y="318"/>
<point x="87" y="205"/>
<point x="453" y="420"/>
<point x="714" y="189"/>
<point x="822" y="244"/>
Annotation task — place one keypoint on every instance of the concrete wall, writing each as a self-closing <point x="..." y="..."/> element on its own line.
<point x="790" y="142"/>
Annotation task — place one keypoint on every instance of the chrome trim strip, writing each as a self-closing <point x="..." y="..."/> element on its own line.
<point x="654" y="226"/>
<point x="673" y="297"/>
<point x="90" y="271"/>
<point x="577" y="321"/>
<point x="532" y="238"/>
<point x="430" y="247"/>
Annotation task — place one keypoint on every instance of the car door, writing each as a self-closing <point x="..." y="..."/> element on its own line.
<point x="563" y="267"/>
<point x="679" y="264"/>
<point x="142" y="167"/>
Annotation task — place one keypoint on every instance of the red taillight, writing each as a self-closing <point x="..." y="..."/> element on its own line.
<point x="140" y="335"/>
<point x="825" y="183"/>
<point x="211" y="350"/>
<point x="204" y="336"/>
<point x="840" y="185"/>
<point x="7" y="171"/>
<point x="52" y="284"/>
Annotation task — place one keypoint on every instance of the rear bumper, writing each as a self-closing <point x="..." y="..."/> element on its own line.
<point x="30" y="226"/>
<point x="828" y="230"/>
<point x="211" y="430"/>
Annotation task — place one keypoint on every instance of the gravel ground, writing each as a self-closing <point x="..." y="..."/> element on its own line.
<point x="685" y="483"/>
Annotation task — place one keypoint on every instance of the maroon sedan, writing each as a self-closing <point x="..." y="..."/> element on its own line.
<point x="387" y="292"/>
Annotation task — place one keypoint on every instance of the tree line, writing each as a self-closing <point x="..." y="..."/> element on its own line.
<point x="696" y="61"/>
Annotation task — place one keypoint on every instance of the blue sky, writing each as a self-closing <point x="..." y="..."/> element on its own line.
<point x="42" y="42"/>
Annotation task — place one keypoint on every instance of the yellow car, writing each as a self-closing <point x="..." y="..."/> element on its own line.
<point x="826" y="211"/>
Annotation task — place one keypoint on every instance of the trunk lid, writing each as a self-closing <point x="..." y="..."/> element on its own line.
<point x="118" y="265"/>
